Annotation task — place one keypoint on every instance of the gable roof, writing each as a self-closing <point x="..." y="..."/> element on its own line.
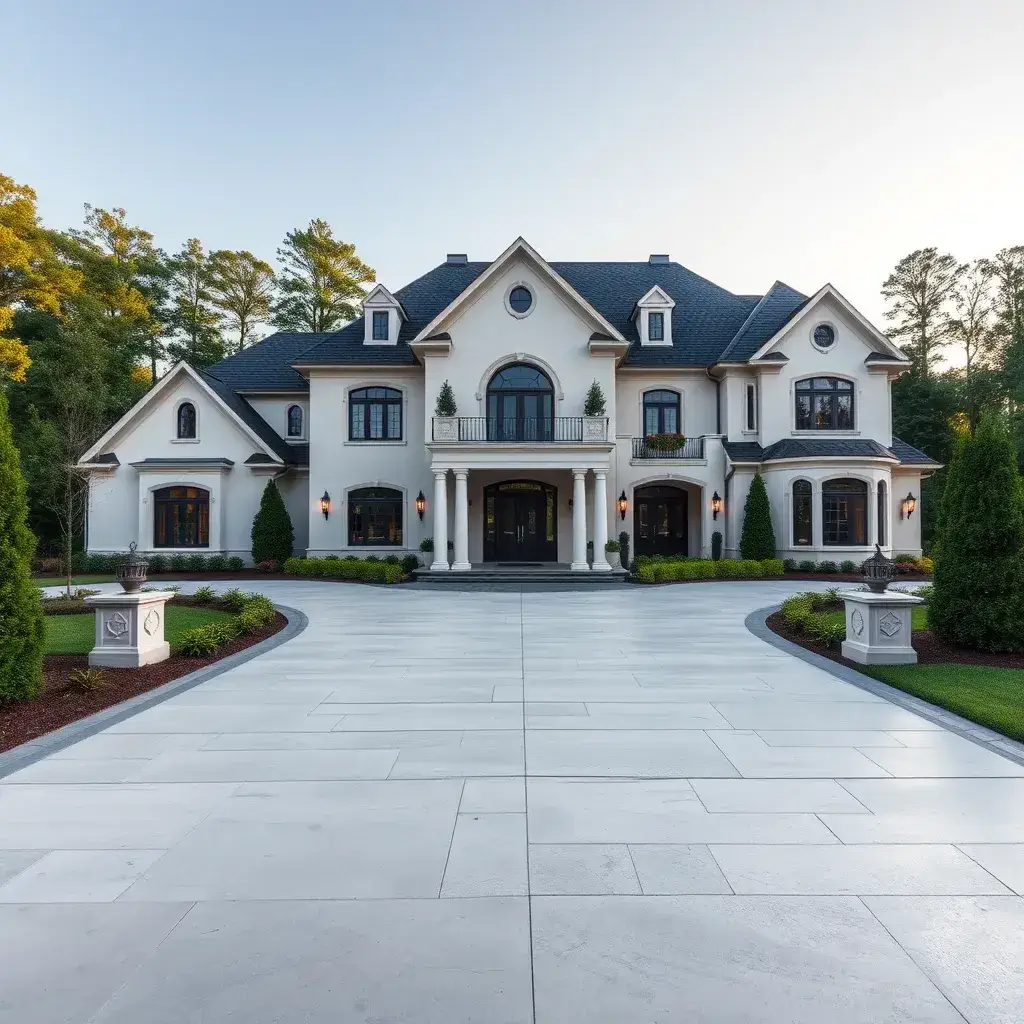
<point x="767" y="318"/>
<point x="267" y="365"/>
<point x="252" y="419"/>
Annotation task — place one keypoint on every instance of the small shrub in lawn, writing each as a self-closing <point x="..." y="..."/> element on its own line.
<point x="847" y="566"/>
<point x="200" y="642"/>
<point x="825" y="630"/>
<point x="227" y="629"/>
<point x="234" y="599"/>
<point x="204" y="595"/>
<point x="797" y="609"/>
<point x="179" y="563"/>
<point x="235" y="564"/>
<point x="807" y="566"/>
<point x="828" y="567"/>
<point x="248" y="622"/>
<point x="216" y="563"/>
<point x="87" y="680"/>
<point x="410" y="564"/>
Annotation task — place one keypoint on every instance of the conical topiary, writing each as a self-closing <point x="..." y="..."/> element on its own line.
<point x="272" y="533"/>
<point x="21" y="615"/>
<point x="445" y="401"/>
<point x="594" y="404"/>
<point x="758" y="539"/>
<point x="979" y="557"/>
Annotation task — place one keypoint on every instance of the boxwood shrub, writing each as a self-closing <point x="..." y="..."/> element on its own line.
<point x="653" y="569"/>
<point x="372" y="569"/>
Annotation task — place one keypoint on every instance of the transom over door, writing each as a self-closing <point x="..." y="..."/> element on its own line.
<point x="659" y="521"/>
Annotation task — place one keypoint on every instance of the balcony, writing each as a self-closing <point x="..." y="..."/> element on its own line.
<point x="660" y="446"/>
<point x="491" y="430"/>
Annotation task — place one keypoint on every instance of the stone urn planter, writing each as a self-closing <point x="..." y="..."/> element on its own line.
<point x="613" y="559"/>
<point x="446" y="428"/>
<point x="595" y="428"/>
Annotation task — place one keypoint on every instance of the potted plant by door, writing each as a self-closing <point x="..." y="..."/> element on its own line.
<point x="446" y="425"/>
<point x="594" y="421"/>
<point x="427" y="547"/>
<point x="611" y="550"/>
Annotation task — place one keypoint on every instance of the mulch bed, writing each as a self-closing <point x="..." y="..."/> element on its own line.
<point x="57" y="705"/>
<point x="930" y="649"/>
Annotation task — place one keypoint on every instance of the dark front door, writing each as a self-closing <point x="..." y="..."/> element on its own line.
<point x="659" y="521"/>
<point x="520" y="522"/>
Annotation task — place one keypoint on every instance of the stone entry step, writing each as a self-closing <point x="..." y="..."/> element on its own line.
<point x="533" y="573"/>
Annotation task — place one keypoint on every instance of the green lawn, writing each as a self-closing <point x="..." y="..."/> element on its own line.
<point x="76" y="581"/>
<point x="988" y="696"/>
<point x="919" y="616"/>
<point x="74" y="634"/>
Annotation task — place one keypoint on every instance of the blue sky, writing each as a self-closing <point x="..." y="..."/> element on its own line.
<point x="806" y="141"/>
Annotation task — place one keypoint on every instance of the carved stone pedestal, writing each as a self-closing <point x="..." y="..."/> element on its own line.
<point x="129" y="629"/>
<point x="878" y="627"/>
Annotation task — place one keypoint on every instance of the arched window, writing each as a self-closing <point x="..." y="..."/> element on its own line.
<point x="824" y="403"/>
<point x="803" y="515"/>
<point x="520" y="405"/>
<point x="295" y="421"/>
<point x="186" y="421"/>
<point x="883" y="513"/>
<point x="181" y="518"/>
<point x="844" y="512"/>
<point x="375" y="414"/>
<point x="375" y="517"/>
<point x="661" y="412"/>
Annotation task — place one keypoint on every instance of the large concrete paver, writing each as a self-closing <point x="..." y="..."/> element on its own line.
<point x="362" y="824"/>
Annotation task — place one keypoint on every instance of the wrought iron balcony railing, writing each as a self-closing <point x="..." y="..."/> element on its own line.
<point x="661" y="446"/>
<point x="550" y="430"/>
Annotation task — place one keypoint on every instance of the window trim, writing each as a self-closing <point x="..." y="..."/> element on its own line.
<point x="401" y="501"/>
<point x="661" y="406"/>
<point x="380" y="316"/>
<point x="865" y="494"/>
<point x="158" y="503"/>
<point x="178" y="436"/>
<point x="366" y="403"/>
<point x="835" y="336"/>
<point x="750" y="407"/>
<point x="288" y="422"/>
<point x="810" y="390"/>
<point x="508" y="299"/>
<point x="808" y="496"/>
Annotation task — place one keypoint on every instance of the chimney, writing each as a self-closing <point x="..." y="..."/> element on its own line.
<point x="457" y="258"/>
<point x="658" y="257"/>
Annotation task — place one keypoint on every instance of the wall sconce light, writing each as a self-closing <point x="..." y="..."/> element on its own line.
<point x="421" y="505"/>
<point x="325" y="504"/>
<point x="570" y="503"/>
<point x="716" y="504"/>
<point x="622" y="505"/>
<point x="909" y="504"/>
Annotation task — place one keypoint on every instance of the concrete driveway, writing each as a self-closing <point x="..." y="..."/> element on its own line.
<point x="438" y="808"/>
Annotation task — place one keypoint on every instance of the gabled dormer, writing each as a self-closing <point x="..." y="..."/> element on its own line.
<point x="653" y="316"/>
<point x="383" y="315"/>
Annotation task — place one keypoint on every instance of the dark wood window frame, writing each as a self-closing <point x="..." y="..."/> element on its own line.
<point x="295" y="418"/>
<point x="657" y="404"/>
<point x="376" y="517"/>
<point x="883" y="513"/>
<point x="803" y="513"/>
<point x="656" y="326"/>
<point x="181" y="517"/>
<point x="844" y="513"/>
<point x="380" y="325"/>
<point x="824" y="403"/>
<point x="751" y="405"/>
<point x="187" y="422"/>
<point x="375" y="414"/>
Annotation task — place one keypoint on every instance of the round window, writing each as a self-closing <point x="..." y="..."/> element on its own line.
<point x="824" y="336"/>
<point x="520" y="300"/>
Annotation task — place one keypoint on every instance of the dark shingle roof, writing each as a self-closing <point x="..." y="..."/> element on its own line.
<point x="825" y="448"/>
<point x="252" y="419"/>
<point x="770" y="315"/>
<point x="743" y="451"/>
<point x="267" y="364"/>
<point x="907" y="453"/>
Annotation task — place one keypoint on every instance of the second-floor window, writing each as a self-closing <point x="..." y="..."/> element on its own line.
<point x="824" y="403"/>
<point x="656" y="326"/>
<point x="751" y="407"/>
<point x="661" y="412"/>
<point x="380" y="326"/>
<point x="375" y="414"/>
<point x="295" y="421"/>
<point x="186" y="421"/>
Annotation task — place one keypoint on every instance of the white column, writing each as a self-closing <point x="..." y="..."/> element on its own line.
<point x="579" y="521"/>
<point x="461" y="563"/>
<point x="600" y="521"/>
<point x="440" y="563"/>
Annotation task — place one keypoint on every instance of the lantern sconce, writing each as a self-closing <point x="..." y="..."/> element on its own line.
<point x="623" y="503"/>
<point x="909" y="504"/>
<point x="325" y="504"/>
<point x="421" y="505"/>
<point x="716" y="504"/>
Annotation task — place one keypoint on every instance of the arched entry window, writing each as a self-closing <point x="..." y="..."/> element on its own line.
<point x="844" y="512"/>
<point x="375" y="517"/>
<point x="181" y="518"/>
<point x="659" y="520"/>
<point x="803" y="515"/>
<point x="186" y="421"/>
<point x="520" y="405"/>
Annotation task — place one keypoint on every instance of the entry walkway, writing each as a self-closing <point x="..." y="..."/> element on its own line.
<point x="439" y="807"/>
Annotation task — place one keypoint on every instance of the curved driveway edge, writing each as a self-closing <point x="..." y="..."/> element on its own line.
<point x="28" y="753"/>
<point x="991" y="740"/>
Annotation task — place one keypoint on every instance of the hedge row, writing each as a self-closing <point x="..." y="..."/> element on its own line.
<point x="707" y="569"/>
<point x="96" y="562"/>
<point x="350" y="568"/>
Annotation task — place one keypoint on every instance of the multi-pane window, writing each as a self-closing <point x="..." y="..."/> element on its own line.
<point x="751" y="408"/>
<point x="375" y="517"/>
<point x="186" y="421"/>
<point x="295" y="421"/>
<point x="656" y="326"/>
<point x="375" y="414"/>
<point x="181" y="518"/>
<point x="661" y="412"/>
<point x="824" y="403"/>
<point x="803" y="516"/>
<point x="380" y="326"/>
<point x="844" y="508"/>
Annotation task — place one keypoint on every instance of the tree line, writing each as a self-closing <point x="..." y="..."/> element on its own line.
<point x="91" y="315"/>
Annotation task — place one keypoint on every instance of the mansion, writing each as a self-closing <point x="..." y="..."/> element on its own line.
<point x="702" y="389"/>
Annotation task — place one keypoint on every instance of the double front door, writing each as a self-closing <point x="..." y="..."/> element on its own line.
<point x="659" y="521"/>
<point x="520" y="522"/>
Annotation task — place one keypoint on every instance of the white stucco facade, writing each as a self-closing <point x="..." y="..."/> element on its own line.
<point x="521" y="473"/>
